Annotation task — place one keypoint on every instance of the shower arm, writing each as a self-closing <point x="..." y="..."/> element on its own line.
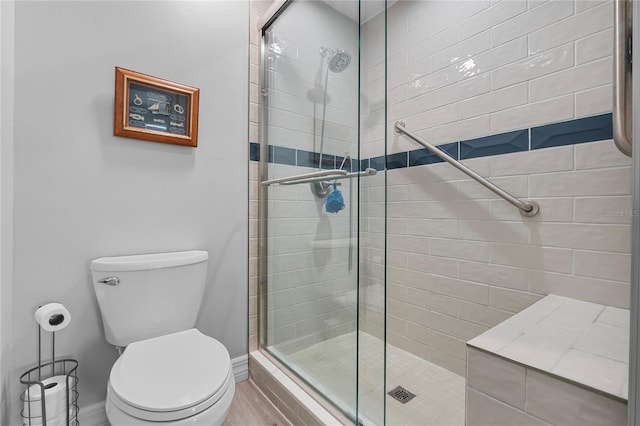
<point x="527" y="208"/>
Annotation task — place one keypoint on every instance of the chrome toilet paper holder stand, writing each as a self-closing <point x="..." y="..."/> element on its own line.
<point x="36" y="392"/>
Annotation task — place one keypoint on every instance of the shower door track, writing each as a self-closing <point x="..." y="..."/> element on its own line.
<point x="309" y="390"/>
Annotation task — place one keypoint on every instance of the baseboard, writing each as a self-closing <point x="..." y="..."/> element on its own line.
<point x="93" y="415"/>
<point x="240" y="367"/>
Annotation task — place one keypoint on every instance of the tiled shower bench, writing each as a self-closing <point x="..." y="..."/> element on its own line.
<point x="561" y="361"/>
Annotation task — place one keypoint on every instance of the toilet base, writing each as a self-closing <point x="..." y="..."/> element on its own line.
<point x="212" y="416"/>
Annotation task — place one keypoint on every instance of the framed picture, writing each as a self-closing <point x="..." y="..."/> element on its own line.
<point x="153" y="109"/>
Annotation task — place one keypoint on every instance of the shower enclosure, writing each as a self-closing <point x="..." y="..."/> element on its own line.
<point x="313" y="225"/>
<point x="380" y="256"/>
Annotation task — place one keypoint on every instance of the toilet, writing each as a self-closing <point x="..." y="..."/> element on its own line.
<point x="169" y="372"/>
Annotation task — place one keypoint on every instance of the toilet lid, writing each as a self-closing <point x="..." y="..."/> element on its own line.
<point x="170" y="372"/>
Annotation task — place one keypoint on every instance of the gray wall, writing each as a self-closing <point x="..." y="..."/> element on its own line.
<point x="6" y="195"/>
<point x="81" y="193"/>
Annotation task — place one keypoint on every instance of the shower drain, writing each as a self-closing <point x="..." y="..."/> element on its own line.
<point x="401" y="394"/>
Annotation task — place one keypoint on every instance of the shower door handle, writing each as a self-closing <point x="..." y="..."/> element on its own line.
<point x="622" y="30"/>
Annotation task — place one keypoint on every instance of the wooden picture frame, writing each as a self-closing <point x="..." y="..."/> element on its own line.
<point x="153" y="109"/>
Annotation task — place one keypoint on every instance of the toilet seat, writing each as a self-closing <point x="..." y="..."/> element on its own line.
<point x="170" y="416"/>
<point x="170" y="377"/>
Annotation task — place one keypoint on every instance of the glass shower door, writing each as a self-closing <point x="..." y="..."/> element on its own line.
<point x="372" y="356"/>
<point x="309" y="196"/>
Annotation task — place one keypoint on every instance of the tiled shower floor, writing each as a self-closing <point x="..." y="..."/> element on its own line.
<point x="440" y="393"/>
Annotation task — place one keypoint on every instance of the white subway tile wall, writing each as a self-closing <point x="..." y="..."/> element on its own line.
<point x="505" y="65"/>
<point x="297" y="74"/>
<point x="459" y="259"/>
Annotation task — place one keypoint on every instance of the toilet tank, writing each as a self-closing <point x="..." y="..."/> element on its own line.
<point x="149" y="295"/>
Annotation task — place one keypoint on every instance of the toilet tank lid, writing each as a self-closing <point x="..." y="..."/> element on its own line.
<point x="143" y="262"/>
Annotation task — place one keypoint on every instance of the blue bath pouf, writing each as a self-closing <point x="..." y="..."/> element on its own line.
<point x="335" y="202"/>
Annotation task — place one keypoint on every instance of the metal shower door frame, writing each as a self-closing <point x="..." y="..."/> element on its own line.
<point x="634" y="344"/>
<point x="277" y="8"/>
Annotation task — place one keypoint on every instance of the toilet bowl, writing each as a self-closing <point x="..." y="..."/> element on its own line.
<point x="177" y="379"/>
<point x="170" y="373"/>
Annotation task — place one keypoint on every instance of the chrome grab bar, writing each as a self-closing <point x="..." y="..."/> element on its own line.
<point x="324" y="174"/>
<point x="622" y="24"/>
<point x="527" y="208"/>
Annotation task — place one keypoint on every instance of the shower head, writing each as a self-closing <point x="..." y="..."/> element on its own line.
<point x="339" y="60"/>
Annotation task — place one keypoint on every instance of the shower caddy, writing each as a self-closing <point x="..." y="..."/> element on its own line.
<point x="35" y="378"/>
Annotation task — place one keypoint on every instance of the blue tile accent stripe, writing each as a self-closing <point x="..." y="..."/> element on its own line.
<point x="283" y="155"/>
<point x="423" y="156"/>
<point x="377" y="163"/>
<point x="502" y="143"/>
<point x="301" y="158"/>
<point x="312" y="159"/>
<point x="571" y="132"/>
<point x="308" y="159"/>
<point x="254" y="151"/>
<point x="397" y="161"/>
<point x="350" y="166"/>
<point x="328" y="161"/>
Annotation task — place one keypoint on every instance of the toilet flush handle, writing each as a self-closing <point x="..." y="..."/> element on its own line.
<point x="110" y="281"/>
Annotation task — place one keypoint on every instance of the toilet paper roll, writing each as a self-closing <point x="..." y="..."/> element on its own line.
<point x="58" y="420"/>
<point x="55" y="398"/>
<point x="53" y="317"/>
